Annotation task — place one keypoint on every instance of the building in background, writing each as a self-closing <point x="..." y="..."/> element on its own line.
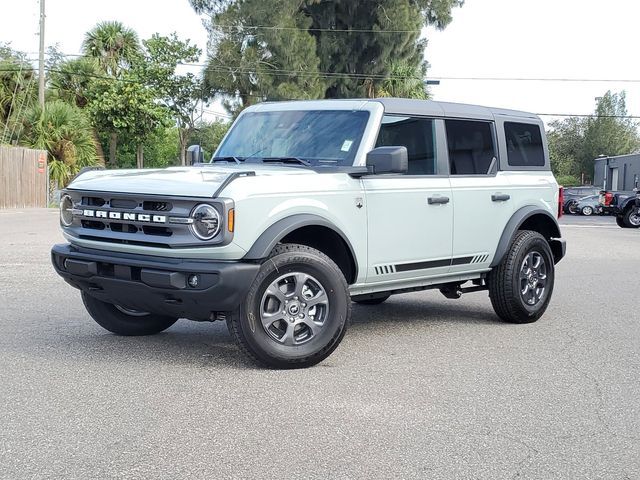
<point x="621" y="173"/>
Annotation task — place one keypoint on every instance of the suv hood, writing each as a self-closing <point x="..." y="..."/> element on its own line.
<point x="198" y="181"/>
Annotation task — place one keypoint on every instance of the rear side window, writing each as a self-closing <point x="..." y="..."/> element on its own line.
<point x="524" y="145"/>
<point x="417" y="134"/>
<point x="471" y="147"/>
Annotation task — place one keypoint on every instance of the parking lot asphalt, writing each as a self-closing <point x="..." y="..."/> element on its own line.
<point x="421" y="386"/>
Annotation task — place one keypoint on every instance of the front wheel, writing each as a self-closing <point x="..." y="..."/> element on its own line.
<point x="124" y="321"/>
<point x="520" y="286"/>
<point x="297" y="309"/>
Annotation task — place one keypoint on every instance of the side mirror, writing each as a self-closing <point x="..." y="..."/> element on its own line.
<point x="194" y="155"/>
<point x="388" y="160"/>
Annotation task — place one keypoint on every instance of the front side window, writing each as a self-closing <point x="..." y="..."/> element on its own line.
<point x="321" y="137"/>
<point x="417" y="134"/>
<point x="471" y="147"/>
<point x="524" y="145"/>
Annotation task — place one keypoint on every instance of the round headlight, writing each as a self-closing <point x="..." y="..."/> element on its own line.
<point x="206" y="222"/>
<point x="66" y="210"/>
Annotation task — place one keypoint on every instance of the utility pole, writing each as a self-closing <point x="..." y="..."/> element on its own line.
<point x="41" y="58"/>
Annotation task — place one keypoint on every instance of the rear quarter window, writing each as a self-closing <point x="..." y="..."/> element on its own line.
<point x="524" y="145"/>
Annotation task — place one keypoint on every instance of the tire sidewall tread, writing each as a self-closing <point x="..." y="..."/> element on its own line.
<point x="256" y="343"/>
<point x="503" y="279"/>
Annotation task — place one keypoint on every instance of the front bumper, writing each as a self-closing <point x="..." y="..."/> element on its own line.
<point x="154" y="284"/>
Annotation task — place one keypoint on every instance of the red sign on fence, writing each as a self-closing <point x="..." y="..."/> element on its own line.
<point x="41" y="163"/>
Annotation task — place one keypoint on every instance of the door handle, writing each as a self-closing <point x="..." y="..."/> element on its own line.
<point x="500" y="197"/>
<point x="437" y="200"/>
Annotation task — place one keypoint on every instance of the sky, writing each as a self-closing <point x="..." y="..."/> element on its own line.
<point x="574" y="39"/>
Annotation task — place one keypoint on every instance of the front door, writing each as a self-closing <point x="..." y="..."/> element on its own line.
<point x="410" y="217"/>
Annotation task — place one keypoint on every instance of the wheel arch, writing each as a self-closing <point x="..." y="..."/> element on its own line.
<point x="313" y="231"/>
<point x="535" y="219"/>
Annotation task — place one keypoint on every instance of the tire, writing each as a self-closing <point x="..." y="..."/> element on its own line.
<point x="116" y="320"/>
<point x="506" y="287"/>
<point x="278" y="328"/>
<point x="587" y="211"/>
<point x="631" y="218"/>
<point x="620" y="222"/>
<point x="373" y="301"/>
<point x="572" y="208"/>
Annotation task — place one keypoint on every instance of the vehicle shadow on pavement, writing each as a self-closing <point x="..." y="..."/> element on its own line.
<point x="422" y="311"/>
<point x="209" y="344"/>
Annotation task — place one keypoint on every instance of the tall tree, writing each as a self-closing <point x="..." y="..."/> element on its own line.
<point x="115" y="47"/>
<point x="180" y="93"/>
<point x="354" y="45"/>
<point x="575" y="142"/>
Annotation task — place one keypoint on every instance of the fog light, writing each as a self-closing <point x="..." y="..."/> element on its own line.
<point x="193" y="281"/>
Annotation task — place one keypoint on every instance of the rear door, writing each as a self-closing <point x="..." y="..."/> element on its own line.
<point x="410" y="217"/>
<point x="481" y="193"/>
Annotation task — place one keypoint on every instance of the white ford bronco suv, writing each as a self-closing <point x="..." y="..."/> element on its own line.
<point x="307" y="206"/>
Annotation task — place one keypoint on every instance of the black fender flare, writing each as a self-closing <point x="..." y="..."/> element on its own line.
<point x="265" y="243"/>
<point x="516" y="221"/>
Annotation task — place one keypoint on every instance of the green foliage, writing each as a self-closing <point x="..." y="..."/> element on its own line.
<point x="308" y="55"/>
<point x="18" y="89"/>
<point x="64" y="131"/>
<point x="180" y="94"/>
<point x="209" y="135"/>
<point x="127" y="107"/>
<point x="575" y="142"/>
<point x="568" y="181"/>
<point x="161" y="149"/>
<point x="72" y="80"/>
<point x="404" y="81"/>
<point x="250" y="66"/>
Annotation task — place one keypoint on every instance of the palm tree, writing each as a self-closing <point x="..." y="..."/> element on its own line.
<point x="71" y="82"/>
<point x="405" y="81"/>
<point x="115" y="47"/>
<point x="64" y="131"/>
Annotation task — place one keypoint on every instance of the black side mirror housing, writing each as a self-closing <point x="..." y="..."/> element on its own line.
<point x="388" y="160"/>
<point x="194" y="155"/>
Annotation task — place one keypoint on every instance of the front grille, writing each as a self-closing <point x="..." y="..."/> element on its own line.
<point x="135" y="219"/>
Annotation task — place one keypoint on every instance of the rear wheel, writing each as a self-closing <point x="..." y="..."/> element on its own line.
<point x="124" y="321"/>
<point x="520" y="287"/>
<point x="297" y="309"/>
<point x="631" y="218"/>
<point x="572" y="208"/>
<point x="620" y="222"/>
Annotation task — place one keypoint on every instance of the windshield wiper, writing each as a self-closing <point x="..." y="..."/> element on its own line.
<point x="295" y="160"/>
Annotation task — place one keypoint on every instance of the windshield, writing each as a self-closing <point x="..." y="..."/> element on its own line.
<point x="319" y="137"/>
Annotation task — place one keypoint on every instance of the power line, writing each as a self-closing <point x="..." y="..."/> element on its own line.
<point x="225" y="68"/>
<point x="327" y="30"/>
<point x="264" y="97"/>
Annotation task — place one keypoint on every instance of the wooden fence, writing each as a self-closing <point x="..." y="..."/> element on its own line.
<point x="23" y="177"/>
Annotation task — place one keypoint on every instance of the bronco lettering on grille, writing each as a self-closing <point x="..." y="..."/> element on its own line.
<point x="126" y="216"/>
